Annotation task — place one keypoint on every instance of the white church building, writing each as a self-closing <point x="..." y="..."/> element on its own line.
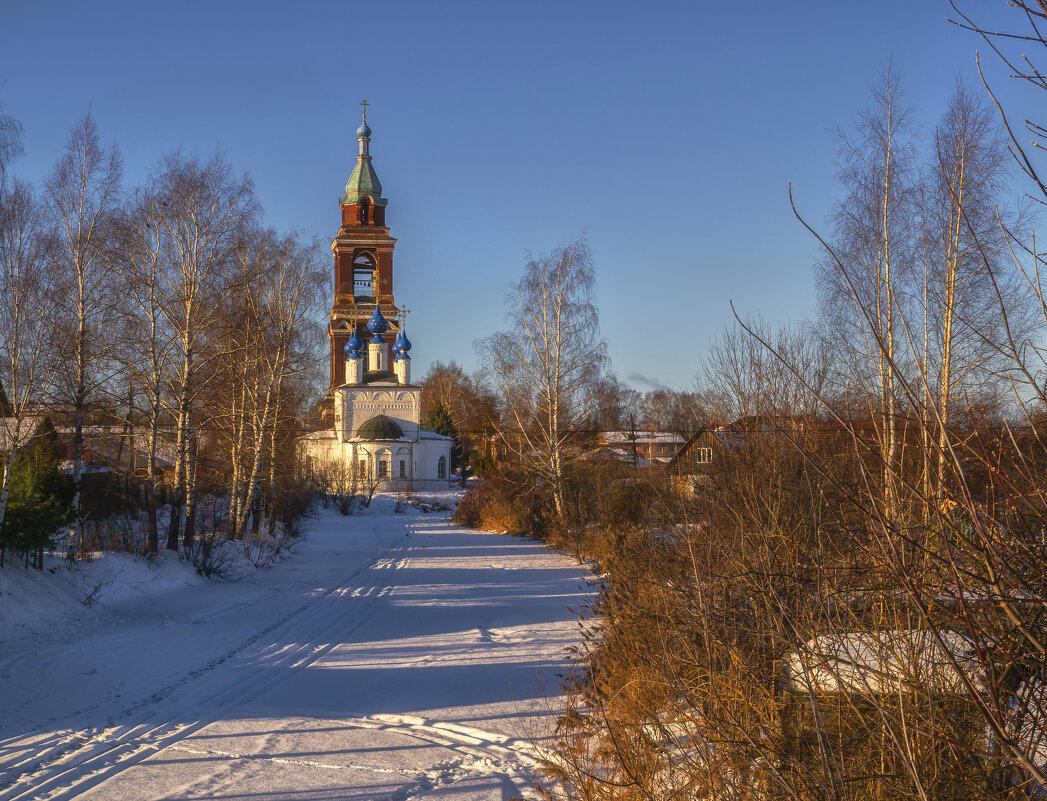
<point x="372" y="412"/>
<point x="377" y="413"/>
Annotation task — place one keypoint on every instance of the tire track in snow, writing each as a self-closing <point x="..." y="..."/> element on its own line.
<point x="115" y="745"/>
<point x="83" y="759"/>
<point x="59" y="653"/>
<point x="511" y="757"/>
<point x="477" y="752"/>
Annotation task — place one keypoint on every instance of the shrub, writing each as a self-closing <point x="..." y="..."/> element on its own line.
<point x="504" y="502"/>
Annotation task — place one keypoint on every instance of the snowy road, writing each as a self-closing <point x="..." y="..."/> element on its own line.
<point x="393" y="657"/>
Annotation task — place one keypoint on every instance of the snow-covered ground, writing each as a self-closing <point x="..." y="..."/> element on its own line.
<point x="393" y="656"/>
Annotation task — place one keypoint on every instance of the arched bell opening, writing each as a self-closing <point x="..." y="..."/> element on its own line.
<point x="363" y="277"/>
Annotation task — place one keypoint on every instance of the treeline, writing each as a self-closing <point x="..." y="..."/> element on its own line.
<point x="470" y="409"/>
<point x="849" y="601"/>
<point x="165" y="317"/>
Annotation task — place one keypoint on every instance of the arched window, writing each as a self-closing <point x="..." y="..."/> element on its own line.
<point x="441" y="467"/>
<point x="363" y="277"/>
<point x="403" y="468"/>
<point x="383" y="462"/>
<point x="365" y="211"/>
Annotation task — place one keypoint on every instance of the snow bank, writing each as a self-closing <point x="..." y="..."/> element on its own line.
<point x="68" y="597"/>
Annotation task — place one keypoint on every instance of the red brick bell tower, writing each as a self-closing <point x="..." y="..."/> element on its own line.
<point x="363" y="258"/>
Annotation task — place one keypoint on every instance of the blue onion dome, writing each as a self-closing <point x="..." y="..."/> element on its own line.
<point x="352" y="347"/>
<point x="364" y="129"/>
<point x="398" y="343"/>
<point x="377" y="324"/>
<point x="401" y="346"/>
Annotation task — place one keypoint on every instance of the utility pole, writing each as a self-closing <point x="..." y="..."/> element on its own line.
<point x="632" y="424"/>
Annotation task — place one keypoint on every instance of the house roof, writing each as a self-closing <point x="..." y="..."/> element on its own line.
<point x="427" y="434"/>
<point x="874" y="662"/>
<point x="642" y="437"/>
<point x="723" y="438"/>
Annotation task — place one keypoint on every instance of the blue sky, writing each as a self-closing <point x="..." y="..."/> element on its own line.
<point x="666" y="132"/>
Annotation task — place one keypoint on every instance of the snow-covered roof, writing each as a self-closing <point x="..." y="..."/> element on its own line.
<point x="107" y="444"/>
<point x="8" y="425"/>
<point x="66" y="468"/>
<point x="326" y="433"/>
<point x="642" y="437"/>
<point x="427" y="434"/>
<point x="873" y="662"/>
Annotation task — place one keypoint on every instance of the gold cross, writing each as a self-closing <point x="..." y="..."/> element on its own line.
<point x="365" y="104"/>
<point x="402" y="313"/>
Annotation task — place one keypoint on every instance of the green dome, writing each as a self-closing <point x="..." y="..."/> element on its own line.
<point x="364" y="183"/>
<point x="380" y="427"/>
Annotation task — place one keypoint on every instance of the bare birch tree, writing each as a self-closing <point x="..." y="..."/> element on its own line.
<point x="82" y="196"/>
<point x="548" y="361"/>
<point x="278" y="292"/>
<point x="205" y="205"/>
<point x="968" y="274"/>
<point x="28" y="361"/>
<point x="10" y="141"/>
<point x="863" y="280"/>
<point x="148" y="337"/>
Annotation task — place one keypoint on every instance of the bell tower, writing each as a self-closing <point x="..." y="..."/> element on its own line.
<point x="363" y="257"/>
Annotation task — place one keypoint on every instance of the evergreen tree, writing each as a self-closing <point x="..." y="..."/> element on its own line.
<point x="38" y="504"/>
<point x="438" y="419"/>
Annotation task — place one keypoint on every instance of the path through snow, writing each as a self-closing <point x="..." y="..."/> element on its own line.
<point x="393" y="657"/>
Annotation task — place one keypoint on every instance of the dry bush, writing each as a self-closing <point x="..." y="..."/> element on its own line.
<point x="683" y="687"/>
<point x="292" y="500"/>
<point x="505" y="502"/>
<point x="124" y="532"/>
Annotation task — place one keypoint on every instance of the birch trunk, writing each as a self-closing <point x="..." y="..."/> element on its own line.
<point x="178" y="490"/>
<point x="189" y="533"/>
<point x="253" y="486"/>
<point x="150" y="479"/>
<point x="237" y="444"/>
<point x="8" y="462"/>
<point x="270" y="504"/>
<point x="891" y="462"/>
<point x="952" y="267"/>
<point x="76" y="527"/>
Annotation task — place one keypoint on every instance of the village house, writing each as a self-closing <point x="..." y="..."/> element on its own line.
<point x="646" y="448"/>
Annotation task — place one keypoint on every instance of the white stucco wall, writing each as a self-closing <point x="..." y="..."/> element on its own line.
<point x="360" y="403"/>
<point x="420" y="450"/>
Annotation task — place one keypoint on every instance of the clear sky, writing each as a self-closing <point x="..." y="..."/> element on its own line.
<point x="666" y="132"/>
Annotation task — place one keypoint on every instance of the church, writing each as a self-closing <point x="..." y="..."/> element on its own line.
<point x="372" y="411"/>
